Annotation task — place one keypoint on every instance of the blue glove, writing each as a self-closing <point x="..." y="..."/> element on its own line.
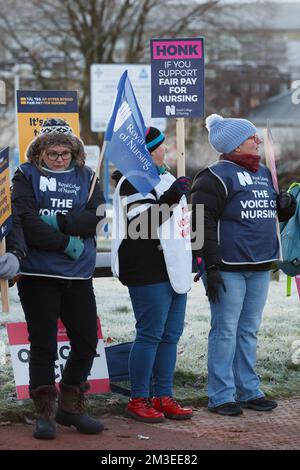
<point x="9" y="266"/>
<point x="74" y="248"/>
<point x="50" y="220"/>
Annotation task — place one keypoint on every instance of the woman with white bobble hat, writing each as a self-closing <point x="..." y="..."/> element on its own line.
<point x="240" y="245"/>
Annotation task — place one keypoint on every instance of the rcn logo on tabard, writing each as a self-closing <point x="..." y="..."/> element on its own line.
<point x="47" y="184"/>
<point x="244" y="178"/>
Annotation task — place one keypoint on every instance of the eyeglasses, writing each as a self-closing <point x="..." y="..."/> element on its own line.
<point x="53" y="156"/>
<point x="255" y="139"/>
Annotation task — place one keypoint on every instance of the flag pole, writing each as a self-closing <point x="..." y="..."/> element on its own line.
<point x="4" y="283"/>
<point x="180" y="146"/>
<point x="97" y="171"/>
<point x="271" y="164"/>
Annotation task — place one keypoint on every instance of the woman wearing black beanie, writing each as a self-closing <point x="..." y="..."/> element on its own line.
<point x="157" y="270"/>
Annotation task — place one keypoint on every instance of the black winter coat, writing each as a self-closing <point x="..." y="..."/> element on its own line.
<point x="39" y="234"/>
<point x="15" y="241"/>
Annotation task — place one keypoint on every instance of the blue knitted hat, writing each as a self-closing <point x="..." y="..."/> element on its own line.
<point x="226" y="134"/>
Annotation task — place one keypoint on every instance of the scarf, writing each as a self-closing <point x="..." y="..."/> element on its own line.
<point x="246" y="160"/>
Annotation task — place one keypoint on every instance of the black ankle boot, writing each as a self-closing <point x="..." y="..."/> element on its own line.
<point x="44" y="398"/>
<point x="71" y="409"/>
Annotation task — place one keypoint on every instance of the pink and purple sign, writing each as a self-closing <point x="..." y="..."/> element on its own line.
<point x="177" y="77"/>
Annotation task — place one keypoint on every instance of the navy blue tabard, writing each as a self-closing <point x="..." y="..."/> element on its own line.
<point x="60" y="192"/>
<point x="247" y="227"/>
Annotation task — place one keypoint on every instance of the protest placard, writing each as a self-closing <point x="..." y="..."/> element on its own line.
<point x="19" y="349"/>
<point x="34" y="107"/>
<point x="177" y="77"/>
<point x="5" y="217"/>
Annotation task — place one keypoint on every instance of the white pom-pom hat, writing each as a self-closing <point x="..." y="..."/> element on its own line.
<point x="226" y="134"/>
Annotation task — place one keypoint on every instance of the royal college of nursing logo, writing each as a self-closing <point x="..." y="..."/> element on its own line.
<point x="123" y="114"/>
<point x="170" y="110"/>
<point x="47" y="184"/>
<point x="244" y="178"/>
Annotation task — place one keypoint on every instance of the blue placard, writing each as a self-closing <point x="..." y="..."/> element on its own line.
<point x="47" y="101"/>
<point x="177" y="77"/>
<point x="5" y="203"/>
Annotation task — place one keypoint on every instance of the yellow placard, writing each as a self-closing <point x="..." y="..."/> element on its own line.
<point x="30" y="124"/>
<point x="35" y="106"/>
<point x="5" y="202"/>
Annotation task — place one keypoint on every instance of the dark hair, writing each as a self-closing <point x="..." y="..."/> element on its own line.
<point x="43" y="142"/>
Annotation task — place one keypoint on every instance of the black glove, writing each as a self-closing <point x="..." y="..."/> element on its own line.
<point x="284" y="200"/>
<point x="214" y="282"/>
<point x="179" y="188"/>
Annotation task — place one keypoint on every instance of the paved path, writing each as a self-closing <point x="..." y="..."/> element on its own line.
<point x="278" y="429"/>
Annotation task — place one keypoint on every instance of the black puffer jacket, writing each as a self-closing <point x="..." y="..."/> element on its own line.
<point x="15" y="241"/>
<point x="39" y="234"/>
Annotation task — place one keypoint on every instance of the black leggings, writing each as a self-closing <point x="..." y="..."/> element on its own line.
<point x="44" y="300"/>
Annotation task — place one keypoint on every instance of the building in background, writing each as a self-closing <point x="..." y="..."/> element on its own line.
<point x="252" y="53"/>
<point x="283" y="115"/>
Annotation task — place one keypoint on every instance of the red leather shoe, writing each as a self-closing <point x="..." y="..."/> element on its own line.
<point x="171" y="409"/>
<point x="142" y="409"/>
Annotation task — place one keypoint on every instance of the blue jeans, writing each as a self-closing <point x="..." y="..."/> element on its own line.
<point x="232" y="340"/>
<point x="159" y="312"/>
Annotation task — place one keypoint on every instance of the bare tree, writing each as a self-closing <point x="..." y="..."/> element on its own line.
<point x="62" y="39"/>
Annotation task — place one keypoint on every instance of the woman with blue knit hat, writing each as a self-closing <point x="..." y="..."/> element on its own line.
<point x="240" y="245"/>
<point x="51" y="197"/>
<point x="156" y="266"/>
